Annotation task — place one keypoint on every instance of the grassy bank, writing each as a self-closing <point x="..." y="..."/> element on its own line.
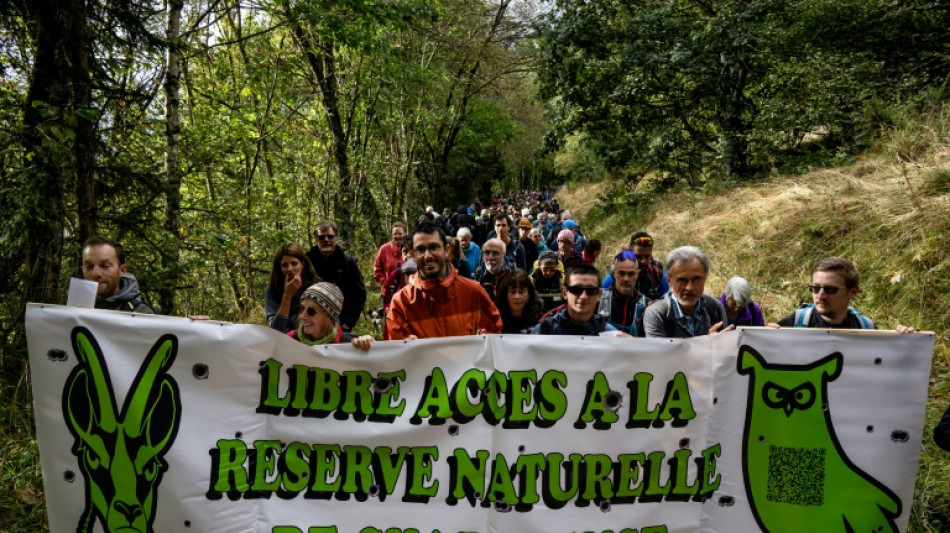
<point x="888" y="211"/>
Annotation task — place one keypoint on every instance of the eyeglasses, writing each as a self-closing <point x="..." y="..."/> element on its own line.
<point x="643" y="241"/>
<point x="576" y="290"/>
<point x="326" y="237"/>
<point x="310" y="311"/>
<point x="432" y="248"/>
<point x="829" y="289"/>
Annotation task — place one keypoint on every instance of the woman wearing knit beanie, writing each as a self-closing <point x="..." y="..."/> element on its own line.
<point x="319" y="319"/>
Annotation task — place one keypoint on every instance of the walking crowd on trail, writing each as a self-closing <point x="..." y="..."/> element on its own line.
<point x="521" y="264"/>
<point x="518" y="264"/>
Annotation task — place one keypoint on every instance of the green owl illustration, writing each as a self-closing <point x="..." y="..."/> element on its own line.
<point x="797" y="476"/>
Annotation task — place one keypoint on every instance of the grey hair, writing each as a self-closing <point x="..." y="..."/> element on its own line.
<point x="686" y="253"/>
<point x="738" y="289"/>
<point x="462" y="232"/>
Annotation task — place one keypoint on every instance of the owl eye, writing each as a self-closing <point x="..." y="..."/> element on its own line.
<point x="803" y="395"/>
<point x="775" y="396"/>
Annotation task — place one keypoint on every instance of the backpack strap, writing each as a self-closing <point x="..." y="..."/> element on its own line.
<point x="605" y="301"/>
<point x="866" y="322"/>
<point x="803" y="315"/>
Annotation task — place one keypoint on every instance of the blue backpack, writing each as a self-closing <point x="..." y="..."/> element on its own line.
<point x="803" y="316"/>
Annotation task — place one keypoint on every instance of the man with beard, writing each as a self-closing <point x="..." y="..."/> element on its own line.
<point x="339" y="268"/>
<point x="495" y="265"/>
<point x="103" y="261"/>
<point x="438" y="302"/>
<point x="621" y="303"/>
<point x="685" y="311"/>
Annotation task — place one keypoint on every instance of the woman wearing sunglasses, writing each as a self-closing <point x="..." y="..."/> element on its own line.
<point x="290" y="273"/>
<point x="319" y="319"/>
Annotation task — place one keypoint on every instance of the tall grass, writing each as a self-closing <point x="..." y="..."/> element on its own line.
<point x="21" y="494"/>
<point x="888" y="211"/>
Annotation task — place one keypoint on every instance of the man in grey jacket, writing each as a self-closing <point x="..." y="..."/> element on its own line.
<point x="103" y="261"/>
<point x="685" y="311"/>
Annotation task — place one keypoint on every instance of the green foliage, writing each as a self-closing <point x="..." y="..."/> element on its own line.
<point x="578" y="160"/>
<point x="622" y="204"/>
<point x="726" y="87"/>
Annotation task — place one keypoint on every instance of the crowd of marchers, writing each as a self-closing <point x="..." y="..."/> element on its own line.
<point x="519" y="264"/>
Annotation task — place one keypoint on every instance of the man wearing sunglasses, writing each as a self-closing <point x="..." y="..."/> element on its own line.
<point x="685" y="311"/>
<point x="834" y="283"/>
<point x="437" y="302"/>
<point x="339" y="268"/>
<point x="652" y="282"/>
<point x="581" y="291"/>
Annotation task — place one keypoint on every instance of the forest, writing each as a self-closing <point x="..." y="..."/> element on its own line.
<point x="203" y="134"/>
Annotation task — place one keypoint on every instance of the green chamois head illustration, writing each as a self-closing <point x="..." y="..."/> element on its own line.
<point x="798" y="478"/>
<point x="121" y="452"/>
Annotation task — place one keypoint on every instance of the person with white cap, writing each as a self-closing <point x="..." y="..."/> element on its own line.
<point x="319" y="318"/>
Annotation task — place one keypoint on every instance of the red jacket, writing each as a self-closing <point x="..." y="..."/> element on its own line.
<point x="386" y="259"/>
<point x="450" y="307"/>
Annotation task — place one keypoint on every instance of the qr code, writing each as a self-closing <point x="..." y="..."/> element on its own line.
<point x="796" y="475"/>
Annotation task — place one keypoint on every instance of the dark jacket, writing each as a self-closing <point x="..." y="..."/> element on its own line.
<point x="461" y="219"/>
<point x="488" y="281"/>
<point x="652" y="280"/>
<point x="559" y="323"/>
<point x="127" y="299"/>
<point x="341" y="269"/>
<point x="806" y="317"/>
<point x="548" y="289"/>
<point x="942" y="431"/>
<point x="624" y="312"/>
<point x="515" y="251"/>
<point x="659" y="319"/>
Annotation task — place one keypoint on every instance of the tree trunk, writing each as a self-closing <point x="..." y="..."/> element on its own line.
<point x="172" y="226"/>
<point x="320" y="53"/>
<point x="84" y="148"/>
<point x="735" y="128"/>
<point x="49" y="100"/>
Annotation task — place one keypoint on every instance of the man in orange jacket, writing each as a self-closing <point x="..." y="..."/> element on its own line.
<point x="438" y="302"/>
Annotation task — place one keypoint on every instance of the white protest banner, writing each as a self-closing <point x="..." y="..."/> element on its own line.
<point x="150" y="423"/>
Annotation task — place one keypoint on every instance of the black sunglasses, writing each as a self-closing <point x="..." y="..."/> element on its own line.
<point x="309" y="310"/>
<point x="326" y="237"/>
<point x="829" y="289"/>
<point x="576" y="290"/>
